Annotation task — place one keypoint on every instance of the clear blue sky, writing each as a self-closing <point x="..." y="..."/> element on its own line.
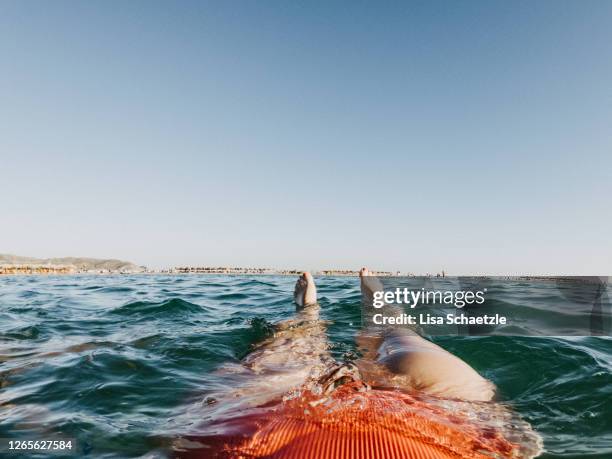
<point x="470" y="136"/>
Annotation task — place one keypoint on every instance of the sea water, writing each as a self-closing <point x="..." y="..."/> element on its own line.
<point x="126" y="364"/>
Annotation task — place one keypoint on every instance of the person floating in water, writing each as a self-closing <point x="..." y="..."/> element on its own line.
<point x="406" y="397"/>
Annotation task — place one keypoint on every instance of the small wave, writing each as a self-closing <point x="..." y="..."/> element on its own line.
<point x="175" y="306"/>
<point x="29" y="294"/>
<point x="24" y="333"/>
<point x="211" y="284"/>
<point x="243" y="339"/>
<point x="109" y="289"/>
<point x="233" y="296"/>
<point x="256" y="283"/>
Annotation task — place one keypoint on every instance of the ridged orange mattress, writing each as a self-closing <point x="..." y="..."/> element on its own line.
<point x="353" y="424"/>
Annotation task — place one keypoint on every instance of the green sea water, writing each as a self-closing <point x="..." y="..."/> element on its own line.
<point x="126" y="364"/>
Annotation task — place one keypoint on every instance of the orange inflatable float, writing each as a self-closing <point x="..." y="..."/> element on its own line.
<point x="356" y="422"/>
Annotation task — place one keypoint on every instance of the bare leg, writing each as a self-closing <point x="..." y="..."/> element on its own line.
<point x="411" y="361"/>
<point x="295" y="356"/>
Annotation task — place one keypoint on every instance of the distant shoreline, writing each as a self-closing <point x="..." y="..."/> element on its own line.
<point x="13" y="265"/>
<point x="293" y="273"/>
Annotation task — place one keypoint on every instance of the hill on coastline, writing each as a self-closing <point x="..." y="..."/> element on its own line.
<point x="81" y="264"/>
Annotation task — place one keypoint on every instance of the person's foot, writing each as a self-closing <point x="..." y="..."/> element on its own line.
<point x="305" y="290"/>
<point x="369" y="285"/>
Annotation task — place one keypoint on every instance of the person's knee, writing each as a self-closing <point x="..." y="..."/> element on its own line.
<point x="438" y="372"/>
